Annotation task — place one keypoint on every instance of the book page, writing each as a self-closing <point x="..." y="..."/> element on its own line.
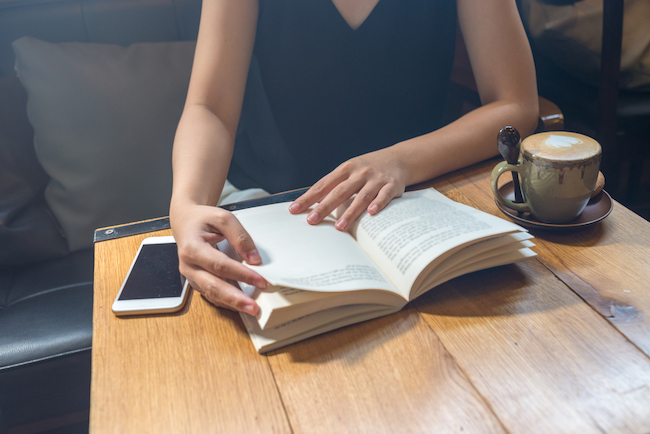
<point x="310" y="325"/>
<point x="279" y="304"/>
<point x="296" y="254"/>
<point x="465" y="257"/>
<point x="420" y="228"/>
<point x="493" y="260"/>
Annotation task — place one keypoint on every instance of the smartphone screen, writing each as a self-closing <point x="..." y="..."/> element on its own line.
<point x="155" y="274"/>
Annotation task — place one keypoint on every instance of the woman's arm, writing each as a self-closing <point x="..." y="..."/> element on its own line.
<point x="202" y="150"/>
<point x="505" y="76"/>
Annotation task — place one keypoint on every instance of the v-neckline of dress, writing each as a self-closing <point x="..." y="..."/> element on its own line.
<point x="363" y="23"/>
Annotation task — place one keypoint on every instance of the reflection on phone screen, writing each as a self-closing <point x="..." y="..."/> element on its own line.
<point x="155" y="274"/>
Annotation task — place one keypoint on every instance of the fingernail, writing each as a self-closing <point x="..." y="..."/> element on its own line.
<point x="294" y="207"/>
<point x="373" y="209"/>
<point x="253" y="257"/>
<point x="312" y="217"/>
<point x="342" y="224"/>
<point x="250" y="309"/>
<point x="260" y="283"/>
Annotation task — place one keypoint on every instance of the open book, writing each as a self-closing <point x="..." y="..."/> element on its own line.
<point x="321" y="279"/>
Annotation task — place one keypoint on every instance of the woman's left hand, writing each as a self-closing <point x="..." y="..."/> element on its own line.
<point x="376" y="178"/>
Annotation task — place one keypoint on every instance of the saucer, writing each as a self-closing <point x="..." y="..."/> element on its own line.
<point x="597" y="209"/>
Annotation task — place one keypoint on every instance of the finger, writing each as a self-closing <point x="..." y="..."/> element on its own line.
<point x="228" y="225"/>
<point x="318" y="191"/>
<point x="226" y="268"/>
<point x="204" y="256"/>
<point x="360" y="203"/>
<point x="336" y="197"/>
<point x="387" y="193"/>
<point x="223" y="294"/>
<point x="212" y="238"/>
<point x="310" y="197"/>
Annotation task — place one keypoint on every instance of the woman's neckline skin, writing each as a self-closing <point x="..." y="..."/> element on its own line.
<point x="355" y="12"/>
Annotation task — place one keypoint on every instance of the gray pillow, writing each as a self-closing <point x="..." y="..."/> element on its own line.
<point x="104" y="118"/>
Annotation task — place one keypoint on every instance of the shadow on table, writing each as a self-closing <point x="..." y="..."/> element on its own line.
<point x="356" y="342"/>
<point x="585" y="237"/>
<point x="516" y="289"/>
<point x="352" y="342"/>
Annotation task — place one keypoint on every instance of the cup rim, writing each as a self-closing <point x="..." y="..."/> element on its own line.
<point x="558" y="162"/>
<point x="582" y="161"/>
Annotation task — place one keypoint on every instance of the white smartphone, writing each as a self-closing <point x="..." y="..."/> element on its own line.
<point x="153" y="283"/>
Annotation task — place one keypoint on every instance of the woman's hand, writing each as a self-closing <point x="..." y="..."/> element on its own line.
<point x="197" y="229"/>
<point x="376" y="178"/>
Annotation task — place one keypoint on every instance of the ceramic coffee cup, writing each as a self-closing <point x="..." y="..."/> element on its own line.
<point x="558" y="171"/>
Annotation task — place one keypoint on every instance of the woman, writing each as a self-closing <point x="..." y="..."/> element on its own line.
<point x="350" y="97"/>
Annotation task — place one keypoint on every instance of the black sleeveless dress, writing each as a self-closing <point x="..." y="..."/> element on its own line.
<point x="319" y="93"/>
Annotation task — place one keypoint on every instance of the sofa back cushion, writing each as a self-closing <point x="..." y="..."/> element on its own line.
<point x="104" y="118"/>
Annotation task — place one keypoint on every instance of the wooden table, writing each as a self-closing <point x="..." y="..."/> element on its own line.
<point x="560" y="343"/>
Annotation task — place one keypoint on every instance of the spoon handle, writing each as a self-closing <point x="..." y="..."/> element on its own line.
<point x="509" y="142"/>
<point x="515" y="181"/>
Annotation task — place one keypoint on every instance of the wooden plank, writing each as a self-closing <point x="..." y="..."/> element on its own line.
<point x="195" y="371"/>
<point x="607" y="265"/>
<point x="543" y="359"/>
<point x="387" y="375"/>
<point x="510" y="349"/>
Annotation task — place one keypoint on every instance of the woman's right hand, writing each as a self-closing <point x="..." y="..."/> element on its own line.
<point x="197" y="229"/>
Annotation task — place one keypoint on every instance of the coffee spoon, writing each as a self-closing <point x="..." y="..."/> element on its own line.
<point x="509" y="142"/>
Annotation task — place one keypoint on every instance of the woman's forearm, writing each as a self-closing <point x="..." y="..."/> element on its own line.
<point x="466" y="141"/>
<point x="206" y="132"/>
<point x="201" y="157"/>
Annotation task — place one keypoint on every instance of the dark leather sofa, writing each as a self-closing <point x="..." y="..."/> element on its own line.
<point x="45" y="288"/>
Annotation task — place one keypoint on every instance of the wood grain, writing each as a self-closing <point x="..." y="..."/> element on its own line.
<point x="539" y="355"/>
<point x="607" y="264"/>
<point x="195" y="371"/>
<point x="555" y="344"/>
<point x="386" y="375"/>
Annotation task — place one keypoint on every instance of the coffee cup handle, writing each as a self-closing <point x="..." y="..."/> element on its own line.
<point x="499" y="170"/>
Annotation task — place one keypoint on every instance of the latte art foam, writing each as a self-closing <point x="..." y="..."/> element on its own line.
<point x="561" y="146"/>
